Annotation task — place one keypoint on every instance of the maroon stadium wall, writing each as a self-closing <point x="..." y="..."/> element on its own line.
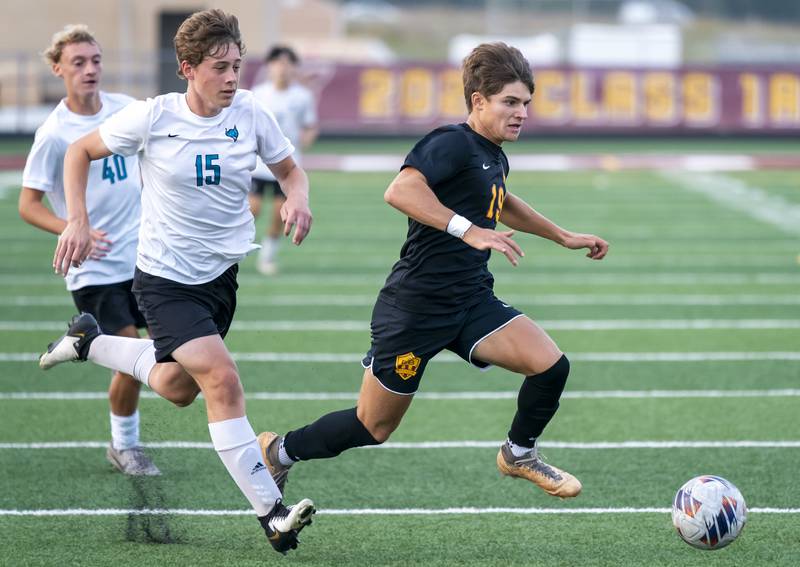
<point x="412" y="99"/>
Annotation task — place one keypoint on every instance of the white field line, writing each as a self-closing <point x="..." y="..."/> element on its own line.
<point x="515" y="299"/>
<point x="508" y="395"/>
<point x="362" y="511"/>
<point x="559" y="325"/>
<point x="600" y="445"/>
<point x="330" y="357"/>
<point x="738" y="195"/>
<point x="590" y="278"/>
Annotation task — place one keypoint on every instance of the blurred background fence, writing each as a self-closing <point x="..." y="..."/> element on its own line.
<point x="379" y="68"/>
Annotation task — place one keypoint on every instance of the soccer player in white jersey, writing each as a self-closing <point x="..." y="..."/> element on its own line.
<point x="295" y="110"/>
<point x="196" y="151"/>
<point x="102" y="285"/>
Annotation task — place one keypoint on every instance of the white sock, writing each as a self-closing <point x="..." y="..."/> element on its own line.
<point x="269" y="247"/>
<point x="284" y="457"/>
<point x="136" y="357"/>
<point x="125" y="431"/>
<point x="236" y="444"/>
<point x="518" y="450"/>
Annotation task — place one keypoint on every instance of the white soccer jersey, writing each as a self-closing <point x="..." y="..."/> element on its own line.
<point x="196" y="174"/>
<point x="113" y="190"/>
<point x="294" y="109"/>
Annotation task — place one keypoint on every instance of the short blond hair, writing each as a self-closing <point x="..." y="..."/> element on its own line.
<point x="72" y="33"/>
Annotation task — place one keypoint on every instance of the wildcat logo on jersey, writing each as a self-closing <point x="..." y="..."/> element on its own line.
<point x="406" y="365"/>
<point x="232" y="133"/>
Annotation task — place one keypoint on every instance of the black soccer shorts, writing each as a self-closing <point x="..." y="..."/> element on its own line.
<point x="176" y="313"/>
<point x="260" y="186"/>
<point x="403" y="341"/>
<point x="113" y="305"/>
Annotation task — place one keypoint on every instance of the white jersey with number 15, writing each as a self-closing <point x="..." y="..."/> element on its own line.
<point x="196" y="173"/>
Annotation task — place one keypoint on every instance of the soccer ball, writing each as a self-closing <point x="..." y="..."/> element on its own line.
<point x="709" y="512"/>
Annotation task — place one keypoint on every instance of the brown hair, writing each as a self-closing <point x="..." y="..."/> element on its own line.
<point x="491" y="66"/>
<point x="206" y="33"/>
<point x="73" y="33"/>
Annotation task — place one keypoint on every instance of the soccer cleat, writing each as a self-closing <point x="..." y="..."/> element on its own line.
<point x="270" y="444"/>
<point x="133" y="462"/>
<point x="531" y="467"/>
<point x="283" y="523"/>
<point x="72" y="345"/>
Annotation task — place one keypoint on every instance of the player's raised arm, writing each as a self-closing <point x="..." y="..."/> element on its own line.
<point x="75" y="242"/>
<point x="519" y="215"/>
<point x="295" y="211"/>
<point x="410" y="194"/>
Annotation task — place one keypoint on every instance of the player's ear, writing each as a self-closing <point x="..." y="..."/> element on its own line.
<point x="187" y="70"/>
<point x="56" y="69"/>
<point x="477" y="100"/>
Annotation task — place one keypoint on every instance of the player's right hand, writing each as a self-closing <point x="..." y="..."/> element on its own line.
<point x="100" y="244"/>
<point x="487" y="239"/>
<point x="74" y="245"/>
<point x="295" y="213"/>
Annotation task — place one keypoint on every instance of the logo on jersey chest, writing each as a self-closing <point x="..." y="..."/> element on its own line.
<point x="232" y="133"/>
<point x="406" y="365"/>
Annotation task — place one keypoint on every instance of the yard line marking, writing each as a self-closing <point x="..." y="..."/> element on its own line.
<point x="499" y="395"/>
<point x="738" y="195"/>
<point x="599" y="445"/>
<point x="361" y="511"/>
<point x="554" y="324"/>
<point x="330" y="357"/>
<point x="517" y="299"/>
<point x="593" y="278"/>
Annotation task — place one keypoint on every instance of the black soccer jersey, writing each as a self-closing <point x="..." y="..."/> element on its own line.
<point x="437" y="272"/>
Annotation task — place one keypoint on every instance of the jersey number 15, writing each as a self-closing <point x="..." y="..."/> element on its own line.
<point x="210" y="167"/>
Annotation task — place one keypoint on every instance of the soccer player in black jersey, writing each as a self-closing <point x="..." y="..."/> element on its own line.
<point x="439" y="294"/>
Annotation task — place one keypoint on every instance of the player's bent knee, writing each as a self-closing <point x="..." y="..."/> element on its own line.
<point x="556" y="374"/>
<point x="381" y="431"/>
<point x="535" y="365"/>
<point x="184" y="399"/>
<point x="223" y="385"/>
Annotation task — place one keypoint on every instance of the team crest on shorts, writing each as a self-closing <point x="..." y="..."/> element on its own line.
<point x="406" y="365"/>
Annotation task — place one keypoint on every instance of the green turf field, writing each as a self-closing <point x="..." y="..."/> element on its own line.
<point x="531" y="143"/>
<point x="685" y="345"/>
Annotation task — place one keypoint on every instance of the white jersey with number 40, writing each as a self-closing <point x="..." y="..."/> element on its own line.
<point x="112" y="194"/>
<point x="196" y="221"/>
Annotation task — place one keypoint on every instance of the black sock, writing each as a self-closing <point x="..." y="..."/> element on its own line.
<point x="537" y="403"/>
<point x="328" y="436"/>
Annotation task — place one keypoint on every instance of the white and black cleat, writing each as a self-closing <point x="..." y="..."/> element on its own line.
<point x="283" y="523"/>
<point x="72" y="346"/>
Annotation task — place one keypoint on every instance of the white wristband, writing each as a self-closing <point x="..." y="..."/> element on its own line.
<point x="458" y="225"/>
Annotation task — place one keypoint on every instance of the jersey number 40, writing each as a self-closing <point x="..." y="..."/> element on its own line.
<point x="116" y="173"/>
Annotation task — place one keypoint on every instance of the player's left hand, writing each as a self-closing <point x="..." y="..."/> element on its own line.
<point x="598" y="248"/>
<point x="296" y="213"/>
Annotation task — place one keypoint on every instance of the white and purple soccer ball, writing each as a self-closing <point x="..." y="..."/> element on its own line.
<point x="709" y="512"/>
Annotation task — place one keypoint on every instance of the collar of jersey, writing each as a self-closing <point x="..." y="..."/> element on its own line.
<point x="187" y="112"/>
<point x="491" y="146"/>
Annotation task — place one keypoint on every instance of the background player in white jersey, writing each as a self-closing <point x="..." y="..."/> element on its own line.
<point x="196" y="151"/>
<point x="102" y="285"/>
<point x="295" y="110"/>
